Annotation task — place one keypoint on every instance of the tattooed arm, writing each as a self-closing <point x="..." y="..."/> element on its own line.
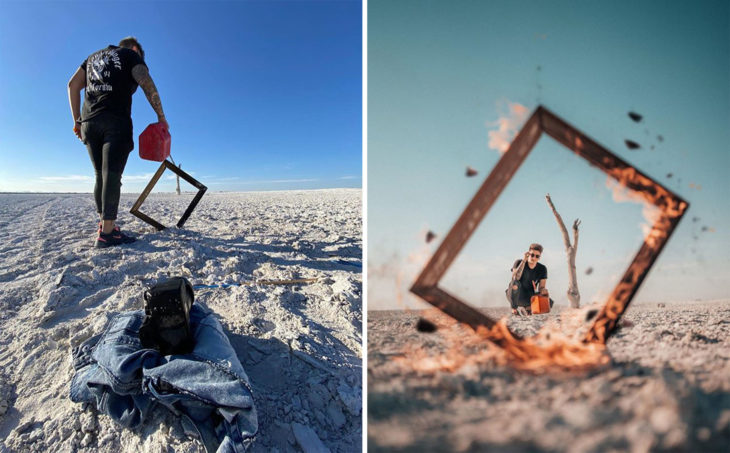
<point x="142" y="77"/>
<point x="517" y="272"/>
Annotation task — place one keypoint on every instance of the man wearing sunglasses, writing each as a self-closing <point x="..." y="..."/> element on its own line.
<point x="528" y="278"/>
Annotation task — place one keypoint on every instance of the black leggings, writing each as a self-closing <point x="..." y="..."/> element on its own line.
<point x="109" y="141"/>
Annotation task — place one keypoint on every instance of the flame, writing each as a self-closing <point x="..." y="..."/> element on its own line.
<point x="551" y="350"/>
<point x="508" y="125"/>
<point x="670" y="209"/>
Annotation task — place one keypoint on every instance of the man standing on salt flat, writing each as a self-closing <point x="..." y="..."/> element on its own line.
<point x="110" y="77"/>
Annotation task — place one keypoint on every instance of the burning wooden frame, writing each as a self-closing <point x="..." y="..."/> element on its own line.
<point x="672" y="209"/>
<point x="156" y="177"/>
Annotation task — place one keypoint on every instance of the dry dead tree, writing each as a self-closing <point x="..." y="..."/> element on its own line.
<point x="573" y="293"/>
<point x="178" y="180"/>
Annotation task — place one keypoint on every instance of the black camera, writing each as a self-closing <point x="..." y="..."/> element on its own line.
<point x="166" y="326"/>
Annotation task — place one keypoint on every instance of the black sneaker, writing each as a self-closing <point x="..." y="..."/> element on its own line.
<point x="114" y="238"/>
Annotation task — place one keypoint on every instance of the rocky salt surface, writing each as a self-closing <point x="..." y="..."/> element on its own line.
<point x="299" y="344"/>
<point x="667" y="388"/>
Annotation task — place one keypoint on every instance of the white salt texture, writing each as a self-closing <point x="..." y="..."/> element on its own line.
<point x="300" y="344"/>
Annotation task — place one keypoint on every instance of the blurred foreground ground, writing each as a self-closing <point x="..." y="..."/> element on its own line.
<point x="667" y="388"/>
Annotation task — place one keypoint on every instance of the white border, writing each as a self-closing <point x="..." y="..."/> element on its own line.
<point x="364" y="412"/>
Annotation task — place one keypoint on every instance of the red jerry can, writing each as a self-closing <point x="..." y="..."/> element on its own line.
<point x="540" y="304"/>
<point x="154" y="142"/>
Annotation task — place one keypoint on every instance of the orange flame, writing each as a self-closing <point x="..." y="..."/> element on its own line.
<point x="551" y="350"/>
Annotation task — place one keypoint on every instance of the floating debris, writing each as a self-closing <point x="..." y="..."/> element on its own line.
<point x="589" y="271"/>
<point x="669" y="175"/>
<point x="660" y="138"/>
<point x="630" y="144"/>
<point x="705" y="228"/>
<point x="470" y="172"/>
<point x="635" y="116"/>
<point x="430" y="236"/>
<point x="652" y="147"/>
<point x="695" y="219"/>
<point x="425" y="326"/>
<point x="591" y="314"/>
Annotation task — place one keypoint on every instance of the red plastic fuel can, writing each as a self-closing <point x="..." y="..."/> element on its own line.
<point x="154" y="142"/>
<point x="539" y="304"/>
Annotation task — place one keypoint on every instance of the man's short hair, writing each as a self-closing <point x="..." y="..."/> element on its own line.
<point x="536" y="246"/>
<point x="131" y="41"/>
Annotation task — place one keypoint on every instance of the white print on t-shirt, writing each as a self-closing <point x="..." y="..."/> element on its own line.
<point x="98" y="71"/>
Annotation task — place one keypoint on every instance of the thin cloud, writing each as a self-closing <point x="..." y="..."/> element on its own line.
<point x="131" y="178"/>
<point x="219" y="181"/>
<point x="349" y="177"/>
<point x="280" y="181"/>
<point x="67" y="178"/>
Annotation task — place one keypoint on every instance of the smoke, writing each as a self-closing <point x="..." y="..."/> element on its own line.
<point x="507" y="125"/>
<point x="621" y="194"/>
<point x="389" y="282"/>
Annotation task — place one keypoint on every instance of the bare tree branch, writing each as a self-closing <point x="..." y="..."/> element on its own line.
<point x="566" y="238"/>
<point x="570" y="250"/>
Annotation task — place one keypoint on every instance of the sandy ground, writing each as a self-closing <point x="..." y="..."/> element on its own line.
<point x="667" y="388"/>
<point x="300" y="345"/>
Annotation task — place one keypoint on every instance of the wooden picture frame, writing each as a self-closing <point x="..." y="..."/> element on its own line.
<point x="672" y="209"/>
<point x="156" y="177"/>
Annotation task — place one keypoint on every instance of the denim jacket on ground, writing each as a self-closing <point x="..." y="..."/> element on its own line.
<point x="208" y="387"/>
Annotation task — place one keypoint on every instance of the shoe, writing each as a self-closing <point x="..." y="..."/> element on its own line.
<point x="522" y="311"/>
<point x="114" y="238"/>
<point x="116" y="228"/>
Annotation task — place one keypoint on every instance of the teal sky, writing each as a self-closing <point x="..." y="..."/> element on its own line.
<point x="440" y="75"/>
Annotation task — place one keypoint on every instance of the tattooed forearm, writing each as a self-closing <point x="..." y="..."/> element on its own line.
<point x="142" y="77"/>
<point x="517" y="274"/>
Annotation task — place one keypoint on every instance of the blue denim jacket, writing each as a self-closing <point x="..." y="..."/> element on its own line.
<point x="208" y="387"/>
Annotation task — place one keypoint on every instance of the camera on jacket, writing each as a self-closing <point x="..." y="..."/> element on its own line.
<point x="166" y="326"/>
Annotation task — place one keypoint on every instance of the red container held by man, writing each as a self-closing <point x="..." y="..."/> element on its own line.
<point x="154" y="142"/>
<point x="539" y="304"/>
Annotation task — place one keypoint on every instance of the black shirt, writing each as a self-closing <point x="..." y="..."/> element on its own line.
<point x="528" y="277"/>
<point x="109" y="82"/>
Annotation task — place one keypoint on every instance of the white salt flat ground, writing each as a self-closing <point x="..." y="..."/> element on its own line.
<point x="300" y="345"/>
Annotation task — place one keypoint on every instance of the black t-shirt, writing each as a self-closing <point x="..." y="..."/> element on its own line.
<point x="528" y="277"/>
<point x="109" y="82"/>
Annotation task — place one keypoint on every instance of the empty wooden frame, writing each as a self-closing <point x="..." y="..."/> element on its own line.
<point x="178" y="171"/>
<point x="672" y="209"/>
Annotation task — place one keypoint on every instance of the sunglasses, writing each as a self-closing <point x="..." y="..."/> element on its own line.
<point x="534" y="255"/>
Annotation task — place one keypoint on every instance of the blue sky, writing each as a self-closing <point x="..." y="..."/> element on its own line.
<point x="440" y="76"/>
<point x="258" y="95"/>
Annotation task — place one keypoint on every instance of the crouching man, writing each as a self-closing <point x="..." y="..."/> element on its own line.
<point x="529" y="277"/>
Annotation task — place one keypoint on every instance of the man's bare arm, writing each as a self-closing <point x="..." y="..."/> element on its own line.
<point x="517" y="272"/>
<point x="142" y="77"/>
<point x="75" y="85"/>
